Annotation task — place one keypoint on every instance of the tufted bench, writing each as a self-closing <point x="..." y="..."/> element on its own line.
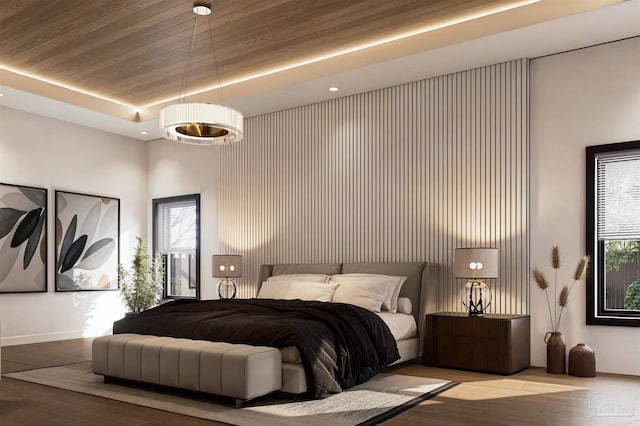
<point x="238" y="371"/>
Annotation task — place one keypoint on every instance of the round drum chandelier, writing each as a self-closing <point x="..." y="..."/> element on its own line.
<point x="201" y="123"/>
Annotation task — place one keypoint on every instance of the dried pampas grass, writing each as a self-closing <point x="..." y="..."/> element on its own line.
<point x="540" y="279"/>
<point x="563" y="299"/>
<point x="564" y="296"/>
<point x="555" y="257"/>
<point x="581" y="269"/>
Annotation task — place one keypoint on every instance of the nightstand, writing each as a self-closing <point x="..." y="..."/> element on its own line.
<point x="494" y="343"/>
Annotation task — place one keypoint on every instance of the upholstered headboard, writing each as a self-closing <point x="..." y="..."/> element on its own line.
<point x="420" y="286"/>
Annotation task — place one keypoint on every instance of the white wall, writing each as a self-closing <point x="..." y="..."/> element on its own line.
<point x="580" y="98"/>
<point x="43" y="152"/>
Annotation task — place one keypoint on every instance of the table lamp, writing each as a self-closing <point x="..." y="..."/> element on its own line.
<point x="227" y="267"/>
<point x="476" y="265"/>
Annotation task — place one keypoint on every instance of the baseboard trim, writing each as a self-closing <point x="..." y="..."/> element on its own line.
<point x="39" y="338"/>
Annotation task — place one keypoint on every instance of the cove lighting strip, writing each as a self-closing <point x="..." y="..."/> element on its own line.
<point x="67" y="86"/>
<point x="320" y="58"/>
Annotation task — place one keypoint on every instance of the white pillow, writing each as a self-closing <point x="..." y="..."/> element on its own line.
<point x="322" y="292"/>
<point x="366" y="293"/>
<point x="303" y="290"/>
<point x="404" y="305"/>
<point x="319" y="278"/>
<point x="274" y="290"/>
<point x="394" y="284"/>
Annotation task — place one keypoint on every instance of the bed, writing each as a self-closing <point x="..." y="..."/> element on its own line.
<point x="315" y="368"/>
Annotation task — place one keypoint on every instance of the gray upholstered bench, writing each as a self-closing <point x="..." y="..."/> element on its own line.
<point x="238" y="371"/>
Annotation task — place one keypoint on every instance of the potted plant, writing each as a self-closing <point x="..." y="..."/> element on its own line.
<point x="140" y="286"/>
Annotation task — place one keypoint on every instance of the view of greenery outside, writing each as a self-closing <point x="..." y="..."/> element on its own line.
<point x="632" y="297"/>
<point x="622" y="258"/>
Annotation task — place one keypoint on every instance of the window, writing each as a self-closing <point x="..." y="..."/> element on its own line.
<point x="613" y="234"/>
<point x="176" y="237"/>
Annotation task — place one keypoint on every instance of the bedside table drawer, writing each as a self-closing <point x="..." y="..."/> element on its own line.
<point x="471" y="327"/>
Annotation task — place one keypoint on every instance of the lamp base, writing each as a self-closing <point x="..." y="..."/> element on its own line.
<point x="476" y="297"/>
<point x="227" y="288"/>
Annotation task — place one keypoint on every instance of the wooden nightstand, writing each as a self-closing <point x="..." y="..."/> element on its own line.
<point x="494" y="343"/>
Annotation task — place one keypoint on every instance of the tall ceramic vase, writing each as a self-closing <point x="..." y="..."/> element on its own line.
<point x="556" y="353"/>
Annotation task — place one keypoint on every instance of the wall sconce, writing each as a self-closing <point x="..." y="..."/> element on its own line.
<point x="475" y="265"/>
<point x="227" y="267"/>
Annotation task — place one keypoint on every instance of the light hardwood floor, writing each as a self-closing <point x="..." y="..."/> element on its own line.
<point x="531" y="397"/>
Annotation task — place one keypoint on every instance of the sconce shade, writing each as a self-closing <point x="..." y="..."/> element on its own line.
<point x="227" y="266"/>
<point x="477" y="262"/>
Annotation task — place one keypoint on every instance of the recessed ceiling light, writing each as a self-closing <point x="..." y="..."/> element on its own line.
<point x="144" y="132"/>
<point x="333" y="89"/>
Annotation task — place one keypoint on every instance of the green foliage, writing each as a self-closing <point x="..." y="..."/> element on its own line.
<point x="620" y="252"/>
<point x="632" y="296"/>
<point x="141" y="285"/>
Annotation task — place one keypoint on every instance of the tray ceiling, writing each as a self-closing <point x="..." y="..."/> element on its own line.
<point x="127" y="58"/>
<point x="136" y="51"/>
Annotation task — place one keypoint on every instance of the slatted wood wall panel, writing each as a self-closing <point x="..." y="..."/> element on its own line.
<point x="406" y="173"/>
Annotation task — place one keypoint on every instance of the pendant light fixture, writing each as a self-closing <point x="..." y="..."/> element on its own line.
<point x="201" y="123"/>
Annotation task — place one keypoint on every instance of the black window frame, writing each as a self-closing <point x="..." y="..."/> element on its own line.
<point x="175" y="199"/>
<point x="596" y="312"/>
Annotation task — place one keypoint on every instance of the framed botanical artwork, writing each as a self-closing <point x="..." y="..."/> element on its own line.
<point x="23" y="239"/>
<point x="87" y="242"/>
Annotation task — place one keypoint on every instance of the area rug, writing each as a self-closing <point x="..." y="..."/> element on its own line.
<point x="381" y="398"/>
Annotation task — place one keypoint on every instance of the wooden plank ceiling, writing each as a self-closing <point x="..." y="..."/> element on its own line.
<point x="135" y="51"/>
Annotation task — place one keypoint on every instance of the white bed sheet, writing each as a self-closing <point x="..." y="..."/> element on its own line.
<point x="402" y="326"/>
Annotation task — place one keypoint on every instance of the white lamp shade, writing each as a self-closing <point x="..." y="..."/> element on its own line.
<point x="477" y="262"/>
<point x="227" y="266"/>
<point x="226" y="124"/>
